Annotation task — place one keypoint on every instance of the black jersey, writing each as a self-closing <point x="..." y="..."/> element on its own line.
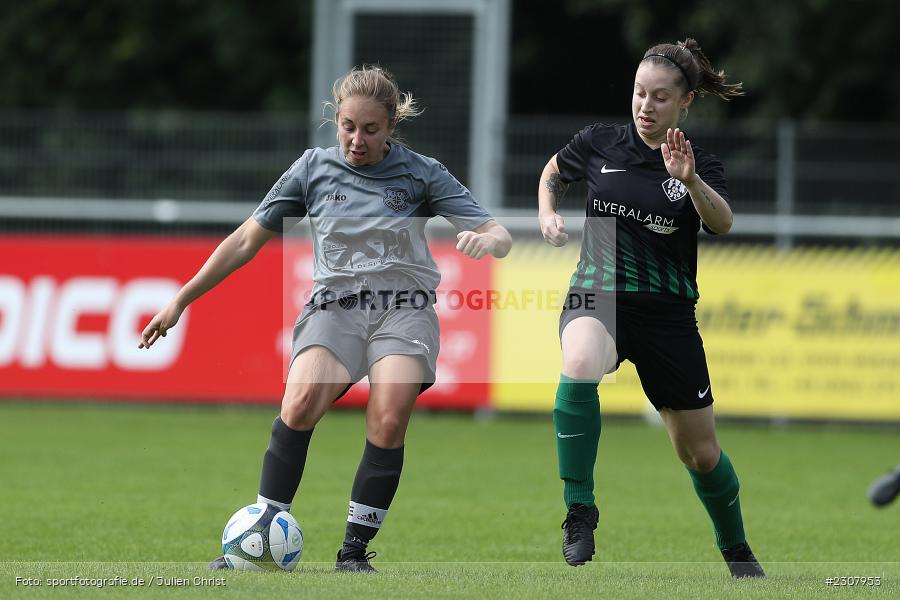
<point x="653" y="247"/>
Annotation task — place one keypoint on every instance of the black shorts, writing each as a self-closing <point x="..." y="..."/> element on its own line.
<point x="658" y="335"/>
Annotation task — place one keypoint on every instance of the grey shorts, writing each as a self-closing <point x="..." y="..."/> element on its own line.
<point x="360" y="336"/>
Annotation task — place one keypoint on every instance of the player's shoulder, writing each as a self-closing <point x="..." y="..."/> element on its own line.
<point x="315" y="155"/>
<point x="705" y="159"/>
<point x="600" y="135"/>
<point x="302" y="162"/>
<point x="406" y="154"/>
<point x="419" y="164"/>
<point x="710" y="168"/>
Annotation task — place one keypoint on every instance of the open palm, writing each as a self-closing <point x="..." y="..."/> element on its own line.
<point x="678" y="156"/>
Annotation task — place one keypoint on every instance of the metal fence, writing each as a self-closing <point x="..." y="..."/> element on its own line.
<point x="781" y="168"/>
<point x="185" y="156"/>
<point x="787" y="179"/>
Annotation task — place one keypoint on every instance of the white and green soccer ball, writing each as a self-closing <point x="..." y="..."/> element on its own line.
<point x="261" y="537"/>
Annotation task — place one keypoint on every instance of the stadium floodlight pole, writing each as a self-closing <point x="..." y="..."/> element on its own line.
<point x="333" y="55"/>
<point x="489" y="92"/>
<point x="784" y="183"/>
<point x="330" y="57"/>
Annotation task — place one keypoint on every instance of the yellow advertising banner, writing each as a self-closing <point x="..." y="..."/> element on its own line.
<point x="803" y="333"/>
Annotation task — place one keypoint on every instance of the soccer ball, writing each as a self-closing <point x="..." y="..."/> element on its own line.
<point x="261" y="537"/>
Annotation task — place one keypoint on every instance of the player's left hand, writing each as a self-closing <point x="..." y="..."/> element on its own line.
<point x="678" y="156"/>
<point x="474" y="244"/>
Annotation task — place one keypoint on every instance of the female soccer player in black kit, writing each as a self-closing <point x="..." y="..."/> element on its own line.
<point x="634" y="290"/>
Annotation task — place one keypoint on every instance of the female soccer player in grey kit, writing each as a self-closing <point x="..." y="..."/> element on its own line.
<point x="367" y="200"/>
<point x="634" y="290"/>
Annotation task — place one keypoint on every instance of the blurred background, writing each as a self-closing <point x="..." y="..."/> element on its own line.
<point x="133" y="136"/>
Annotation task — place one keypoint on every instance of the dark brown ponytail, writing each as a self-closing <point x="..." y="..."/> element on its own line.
<point x="696" y="70"/>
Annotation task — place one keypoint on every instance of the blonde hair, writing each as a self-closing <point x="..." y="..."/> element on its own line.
<point x="371" y="81"/>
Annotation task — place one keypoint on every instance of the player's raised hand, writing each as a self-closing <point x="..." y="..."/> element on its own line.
<point x="553" y="228"/>
<point x="474" y="244"/>
<point x="160" y="324"/>
<point x="679" y="156"/>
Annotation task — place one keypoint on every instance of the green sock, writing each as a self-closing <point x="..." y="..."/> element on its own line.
<point x="576" y="418"/>
<point x="718" y="490"/>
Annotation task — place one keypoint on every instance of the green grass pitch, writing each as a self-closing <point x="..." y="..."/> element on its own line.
<point x="98" y="492"/>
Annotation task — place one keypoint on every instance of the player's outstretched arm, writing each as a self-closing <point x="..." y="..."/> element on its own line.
<point x="550" y="190"/>
<point x="489" y="238"/>
<point x="235" y="251"/>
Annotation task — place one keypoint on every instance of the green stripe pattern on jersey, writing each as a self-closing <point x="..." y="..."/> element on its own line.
<point x="630" y="269"/>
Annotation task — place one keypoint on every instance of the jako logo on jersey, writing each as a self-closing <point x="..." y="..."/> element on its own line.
<point x="335" y="197"/>
<point x="396" y="198"/>
<point x="674" y="189"/>
<point x="41" y="322"/>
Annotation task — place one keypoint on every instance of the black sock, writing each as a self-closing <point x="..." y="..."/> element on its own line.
<point x="376" y="482"/>
<point x="283" y="464"/>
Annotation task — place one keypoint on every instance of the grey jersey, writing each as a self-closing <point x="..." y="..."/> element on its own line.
<point x="370" y="221"/>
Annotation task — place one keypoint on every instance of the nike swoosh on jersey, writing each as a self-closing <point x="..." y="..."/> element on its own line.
<point x="703" y="393"/>
<point x="567" y="435"/>
<point x="605" y="170"/>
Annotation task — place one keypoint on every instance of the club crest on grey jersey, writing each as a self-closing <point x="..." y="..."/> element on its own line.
<point x="396" y="198"/>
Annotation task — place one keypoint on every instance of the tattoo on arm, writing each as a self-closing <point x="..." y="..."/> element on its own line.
<point x="708" y="201"/>
<point x="556" y="187"/>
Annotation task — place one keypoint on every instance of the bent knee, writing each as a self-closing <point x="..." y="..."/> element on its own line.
<point x="701" y="459"/>
<point x="588" y="366"/>
<point x="389" y="425"/>
<point x="302" y="408"/>
<point x="387" y="430"/>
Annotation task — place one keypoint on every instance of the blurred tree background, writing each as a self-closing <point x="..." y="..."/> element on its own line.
<point x="155" y="54"/>
<point x="811" y="60"/>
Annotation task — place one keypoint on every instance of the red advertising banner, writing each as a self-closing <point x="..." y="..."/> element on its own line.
<point x="72" y="308"/>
